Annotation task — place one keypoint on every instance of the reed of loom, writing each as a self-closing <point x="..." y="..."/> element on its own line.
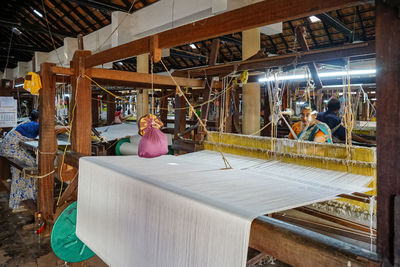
<point x="324" y="156"/>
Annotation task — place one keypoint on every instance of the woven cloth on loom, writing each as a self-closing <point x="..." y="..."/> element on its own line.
<point x="185" y="211"/>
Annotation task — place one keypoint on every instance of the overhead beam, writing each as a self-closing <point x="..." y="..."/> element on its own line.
<point x="315" y="55"/>
<point x="143" y="79"/>
<point x="248" y="17"/>
<point x="338" y="25"/>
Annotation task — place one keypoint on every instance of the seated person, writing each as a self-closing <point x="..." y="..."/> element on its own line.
<point x="118" y="117"/>
<point x="331" y="118"/>
<point x="310" y="129"/>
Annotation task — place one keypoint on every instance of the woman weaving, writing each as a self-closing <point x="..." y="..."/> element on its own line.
<point x="22" y="188"/>
<point x="310" y="129"/>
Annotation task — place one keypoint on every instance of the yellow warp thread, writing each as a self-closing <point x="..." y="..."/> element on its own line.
<point x="324" y="156"/>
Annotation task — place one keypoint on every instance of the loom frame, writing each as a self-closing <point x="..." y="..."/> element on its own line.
<point x="264" y="231"/>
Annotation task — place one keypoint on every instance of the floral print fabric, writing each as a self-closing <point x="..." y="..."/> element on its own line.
<point x="22" y="188"/>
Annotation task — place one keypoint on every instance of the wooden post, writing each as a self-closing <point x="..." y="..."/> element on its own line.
<point x="95" y="112"/>
<point x="180" y="117"/>
<point x="82" y="93"/>
<point x="164" y="107"/>
<point x="228" y="112"/>
<point x="47" y="141"/>
<point x="110" y="108"/>
<point x="236" y="115"/>
<point x="142" y="97"/>
<point x="388" y="123"/>
<point x="212" y="60"/>
<point x="267" y="112"/>
<point x="80" y="42"/>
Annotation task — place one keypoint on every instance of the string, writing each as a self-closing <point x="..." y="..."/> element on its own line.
<point x="69" y="139"/>
<point x="180" y="92"/>
<point x="104" y="89"/>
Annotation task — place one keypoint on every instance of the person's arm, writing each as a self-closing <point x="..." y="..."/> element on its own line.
<point x="61" y="129"/>
<point x="358" y="138"/>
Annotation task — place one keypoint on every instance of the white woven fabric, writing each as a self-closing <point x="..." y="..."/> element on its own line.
<point x="185" y="211"/>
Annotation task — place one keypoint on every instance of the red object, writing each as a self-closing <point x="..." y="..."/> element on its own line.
<point x="40" y="230"/>
<point x="154" y="143"/>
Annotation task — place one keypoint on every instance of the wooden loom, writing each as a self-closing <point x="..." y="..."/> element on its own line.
<point x="268" y="235"/>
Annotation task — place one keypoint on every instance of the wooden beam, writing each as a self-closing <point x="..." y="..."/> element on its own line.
<point x="248" y="17"/>
<point x="388" y="118"/>
<point x="143" y="79"/>
<point x="47" y="141"/>
<point x="315" y="55"/>
<point x="301" y="247"/>
<point x="82" y="93"/>
<point x="62" y="71"/>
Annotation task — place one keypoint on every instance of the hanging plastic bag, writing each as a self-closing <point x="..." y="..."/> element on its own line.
<point x="34" y="84"/>
<point x="154" y="143"/>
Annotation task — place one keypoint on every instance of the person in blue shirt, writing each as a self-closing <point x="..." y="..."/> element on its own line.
<point x="331" y="118"/>
<point x="22" y="188"/>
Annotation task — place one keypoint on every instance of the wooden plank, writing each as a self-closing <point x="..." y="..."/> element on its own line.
<point x="141" y="46"/>
<point x="143" y="79"/>
<point x="245" y="18"/>
<point x="62" y="70"/>
<point x="397" y="230"/>
<point x="388" y="123"/>
<point x="315" y="55"/>
<point x="82" y="93"/>
<point x="47" y="141"/>
<point x="301" y="247"/>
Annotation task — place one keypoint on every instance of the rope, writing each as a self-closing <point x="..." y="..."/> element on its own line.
<point x="104" y="89"/>
<point x="25" y="175"/>
<point x="69" y="139"/>
<point x="180" y="92"/>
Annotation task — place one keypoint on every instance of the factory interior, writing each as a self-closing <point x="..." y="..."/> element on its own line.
<point x="199" y="133"/>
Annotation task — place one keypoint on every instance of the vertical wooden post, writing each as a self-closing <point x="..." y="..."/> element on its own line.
<point x="388" y="123"/>
<point x="110" y="108"/>
<point x="164" y="107"/>
<point x="267" y="112"/>
<point x="47" y="141"/>
<point x="228" y="112"/>
<point x="95" y="112"/>
<point x="236" y="115"/>
<point x="180" y="116"/>
<point x="212" y="60"/>
<point x="82" y="94"/>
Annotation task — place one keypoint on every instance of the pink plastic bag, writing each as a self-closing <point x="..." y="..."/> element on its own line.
<point x="154" y="143"/>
